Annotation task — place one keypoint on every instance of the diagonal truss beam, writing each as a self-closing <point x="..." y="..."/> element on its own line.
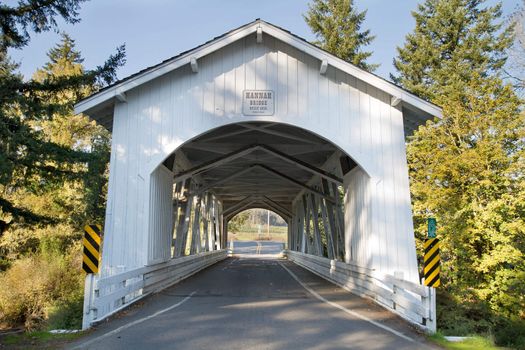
<point x="295" y="182"/>
<point x="243" y="207"/>
<point x="278" y="133"/>
<point x="238" y="204"/>
<point x="277" y="205"/>
<point x="237" y="132"/>
<point x="278" y="210"/>
<point x="260" y="202"/>
<point x="303" y="165"/>
<point x="215" y="162"/>
<point x="247" y="150"/>
<point x="225" y="179"/>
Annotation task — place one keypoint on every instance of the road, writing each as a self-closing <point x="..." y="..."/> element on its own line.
<point x="248" y="248"/>
<point x="246" y="302"/>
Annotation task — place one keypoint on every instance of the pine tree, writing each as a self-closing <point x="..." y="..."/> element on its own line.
<point x="28" y="158"/>
<point x="452" y="41"/>
<point x="337" y="25"/>
<point x="467" y="169"/>
<point x="515" y="68"/>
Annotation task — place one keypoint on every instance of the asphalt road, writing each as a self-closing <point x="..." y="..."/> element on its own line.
<point x="247" y="248"/>
<point x="253" y="303"/>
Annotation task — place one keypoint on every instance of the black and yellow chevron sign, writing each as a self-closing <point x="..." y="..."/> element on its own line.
<point x="431" y="263"/>
<point x="92" y="239"/>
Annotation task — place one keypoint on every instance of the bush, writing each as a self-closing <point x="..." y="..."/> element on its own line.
<point x="510" y="333"/>
<point x="36" y="287"/>
<point x="468" y="316"/>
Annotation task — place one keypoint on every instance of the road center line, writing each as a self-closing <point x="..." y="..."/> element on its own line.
<point x="121" y="328"/>
<point x="342" y="308"/>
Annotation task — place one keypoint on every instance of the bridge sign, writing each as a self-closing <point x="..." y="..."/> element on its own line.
<point x="258" y="102"/>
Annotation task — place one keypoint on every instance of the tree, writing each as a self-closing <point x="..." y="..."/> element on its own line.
<point x="467" y="169"/>
<point x="451" y="41"/>
<point x="516" y="66"/>
<point x="337" y="26"/>
<point x="238" y="221"/>
<point x="29" y="159"/>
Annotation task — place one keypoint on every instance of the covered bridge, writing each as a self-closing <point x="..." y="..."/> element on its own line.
<point x="258" y="118"/>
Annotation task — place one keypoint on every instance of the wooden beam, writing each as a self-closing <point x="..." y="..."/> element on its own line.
<point x="121" y="97"/>
<point x="329" y="226"/>
<point x="183" y="228"/>
<point x="324" y="67"/>
<point x="224" y="179"/>
<point x="284" y="213"/>
<point x="233" y="133"/>
<point x="278" y="205"/>
<point x="259" y="35"/>
<point x="194" y="65"/>
<point x="237" y="205"/>
<point x="252" y="204"/>
<point x="214" y="163"/>
<point x="395" y="100"/>
<point x="303" y="165"/>
<point x="317" y="232"/>
<point x="295" y="182"/>
<point x="240" y="209"/>
<point x="307" y="244"/>
<point x="196" y="229"/>
<point x="278" y="133"/>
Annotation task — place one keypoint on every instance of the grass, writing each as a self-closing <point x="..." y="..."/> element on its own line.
<point x="38" y="340"/>
<point x="277" y="233"/>
<point x="472" y="343"/>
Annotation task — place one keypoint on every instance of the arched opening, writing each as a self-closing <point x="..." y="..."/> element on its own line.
<point x="257" y="231"/>
<point x="279" y="167"/>
<point x="257" y="224"/>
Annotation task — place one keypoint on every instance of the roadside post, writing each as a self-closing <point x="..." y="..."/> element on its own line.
<point x="91" y="265"/>
<point x="431" y="270"/>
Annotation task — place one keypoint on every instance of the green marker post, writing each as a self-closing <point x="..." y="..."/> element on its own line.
<point x="431" y="224"/>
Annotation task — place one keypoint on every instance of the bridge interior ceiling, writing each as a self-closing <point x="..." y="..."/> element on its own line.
<point x="263" y="165"/>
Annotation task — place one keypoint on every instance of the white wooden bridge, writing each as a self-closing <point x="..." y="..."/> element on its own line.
<point x="259" y="118"/>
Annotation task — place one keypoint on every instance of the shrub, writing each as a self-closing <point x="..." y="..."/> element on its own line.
<point x="37" y="286"/>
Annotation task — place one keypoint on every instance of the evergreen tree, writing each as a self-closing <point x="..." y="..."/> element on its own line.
<point x="337" y="25"/>
<point x="28" y="158"/>
<point x="515" y="68"/>
<point x="467" y="169"/>
<point x="452" y="41"/>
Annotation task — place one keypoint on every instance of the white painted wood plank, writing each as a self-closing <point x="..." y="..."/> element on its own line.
<point x="282" y="77"/>
<point x="229" y="81"/>
<point x="219" y="85"/>
<point x="260" y="52"/>
<point x="293" y="97"/>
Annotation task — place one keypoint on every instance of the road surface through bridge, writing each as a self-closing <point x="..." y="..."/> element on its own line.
<point x="254" y="302"/>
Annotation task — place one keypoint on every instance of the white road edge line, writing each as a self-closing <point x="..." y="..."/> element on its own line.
<point x="342" y="308"/>
<point x="115" y="331"/>
<point x="231" y="262"/>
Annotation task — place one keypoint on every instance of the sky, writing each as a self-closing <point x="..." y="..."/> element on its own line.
<point x="154" y="30"/>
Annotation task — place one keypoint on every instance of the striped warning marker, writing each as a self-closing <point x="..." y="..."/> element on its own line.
<point x="92" y="239"/>
<point x="431" y="262"/>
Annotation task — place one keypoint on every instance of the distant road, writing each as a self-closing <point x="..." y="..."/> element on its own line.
<point x="254" y="303"/>
<point x="257" y="247"/>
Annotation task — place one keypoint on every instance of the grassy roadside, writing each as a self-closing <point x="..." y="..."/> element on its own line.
<point x="472" y="343"/>
<point x="37" y="340"/>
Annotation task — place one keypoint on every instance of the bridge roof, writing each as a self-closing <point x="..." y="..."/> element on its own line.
<point x="99" y="106"/>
